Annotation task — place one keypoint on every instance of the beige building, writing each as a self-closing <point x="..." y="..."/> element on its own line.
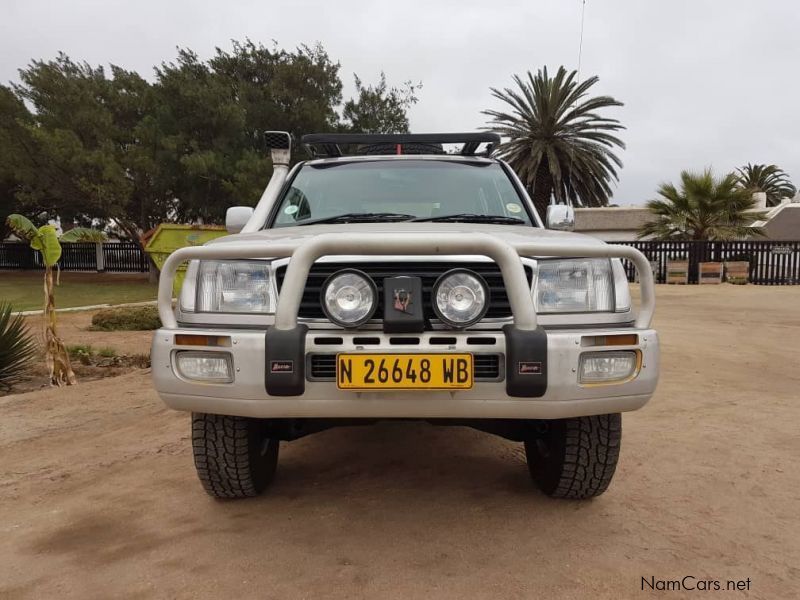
<point x="782" y="222"/>
<point x="623" y="224"/>
<point x="612" y="224"/>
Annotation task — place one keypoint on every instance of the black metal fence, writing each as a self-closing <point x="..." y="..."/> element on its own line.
<point x="125" y="257"/>
<point x="115" y="257"/>
<point x="771" y="262"/>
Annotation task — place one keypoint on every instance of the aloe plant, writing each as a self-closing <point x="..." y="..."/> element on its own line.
<point x="45" y="239"/>
<point x="17" y="347"/>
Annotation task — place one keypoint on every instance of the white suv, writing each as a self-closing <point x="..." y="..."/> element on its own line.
<point x="386" y="278"/>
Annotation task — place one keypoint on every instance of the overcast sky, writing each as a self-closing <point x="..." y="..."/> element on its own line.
<point x="705" y="83"/>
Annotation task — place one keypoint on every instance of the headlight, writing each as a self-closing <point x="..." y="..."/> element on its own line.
<point x="349" y="298"/>
<point x="234" y="287"/>
<point x="460" y="298"/>
<point x="574" y="285"/>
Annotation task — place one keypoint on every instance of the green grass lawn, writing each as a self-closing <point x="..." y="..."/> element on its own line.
<point x="25" y="290"/>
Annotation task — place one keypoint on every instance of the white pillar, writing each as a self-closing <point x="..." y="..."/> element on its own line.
<point x="101" y="263"/>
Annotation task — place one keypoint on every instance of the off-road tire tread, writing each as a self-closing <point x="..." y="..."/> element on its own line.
<point x="224" y="458"/>
<point x="589" y="460"/>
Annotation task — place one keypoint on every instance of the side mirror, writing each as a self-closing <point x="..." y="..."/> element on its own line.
<point x="237" y="217"/>
<point x="560" y="217"/>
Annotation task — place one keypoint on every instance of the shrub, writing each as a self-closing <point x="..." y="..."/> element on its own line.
<point x="106" y="357"/>
<point x="81" y="352"/>
<point x="17" y="347"/>
<point x="126" y="318"/>
<point x="78" y="349"/>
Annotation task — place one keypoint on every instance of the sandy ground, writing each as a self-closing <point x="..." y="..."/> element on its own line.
<point x="73" y="328"/>
<point x="98" y="497"/>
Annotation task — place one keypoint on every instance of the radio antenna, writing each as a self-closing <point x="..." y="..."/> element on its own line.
<point x="580" y="44"/>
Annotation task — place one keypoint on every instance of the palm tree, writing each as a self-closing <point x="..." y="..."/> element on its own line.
<point x="704" y="208"/>
<point x="767" y="178"/>
<point x="557" y="141"/>
<point x="48" y="243"/>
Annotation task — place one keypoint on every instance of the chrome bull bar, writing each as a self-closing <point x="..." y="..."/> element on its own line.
<point x="303" y="254"/>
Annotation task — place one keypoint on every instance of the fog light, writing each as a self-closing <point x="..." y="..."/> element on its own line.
<point x="460" y="298"/>
<point x="214" y="367"/>
<point x="349" y="298"/>
<point x="607" y="367"/>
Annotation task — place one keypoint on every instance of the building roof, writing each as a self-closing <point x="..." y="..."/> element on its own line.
<point x="782" y="222"/>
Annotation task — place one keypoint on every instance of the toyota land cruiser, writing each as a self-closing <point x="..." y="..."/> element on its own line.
<point x="390" y="278"/>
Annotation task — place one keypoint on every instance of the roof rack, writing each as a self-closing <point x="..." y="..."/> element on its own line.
<point x="320" y="145"/>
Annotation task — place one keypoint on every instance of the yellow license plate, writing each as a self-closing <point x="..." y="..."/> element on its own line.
<point x="404" y="371"/>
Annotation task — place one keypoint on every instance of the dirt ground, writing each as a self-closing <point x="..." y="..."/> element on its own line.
<point x="98" y="496"/>
<point x="73" y="327"/>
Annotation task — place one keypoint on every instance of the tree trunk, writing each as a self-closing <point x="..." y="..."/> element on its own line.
<point x="132" y="231"/>
<point x="542" y="189"/>
<point x="56" y="355"/>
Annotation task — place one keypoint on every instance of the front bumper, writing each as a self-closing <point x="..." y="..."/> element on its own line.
<point x="247" y="396"/>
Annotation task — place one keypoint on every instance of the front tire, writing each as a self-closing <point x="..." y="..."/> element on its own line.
<point x="574" y="458"/>
<point x="234" y="456"/>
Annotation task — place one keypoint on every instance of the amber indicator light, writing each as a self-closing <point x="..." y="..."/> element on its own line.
<point x="213" y="341"/>
<point x="625" y="339"/>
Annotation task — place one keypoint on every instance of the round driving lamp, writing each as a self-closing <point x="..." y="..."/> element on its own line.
<point x="349" y="298"/>
<point x="460" y="298"/>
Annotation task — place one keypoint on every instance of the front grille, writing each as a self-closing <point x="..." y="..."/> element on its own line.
<point x="310" y="307"/>
<point x="485" y="367"/>
<point x="323" y="366"/>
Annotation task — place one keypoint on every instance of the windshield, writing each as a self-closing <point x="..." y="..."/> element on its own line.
<point x="400" y="190"/>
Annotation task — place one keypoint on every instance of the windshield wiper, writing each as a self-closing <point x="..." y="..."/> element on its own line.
<point x="473" y="218"/>
<point x="359" y="218"/>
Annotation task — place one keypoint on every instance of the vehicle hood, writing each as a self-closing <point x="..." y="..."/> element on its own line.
<point x="513" y="234"/>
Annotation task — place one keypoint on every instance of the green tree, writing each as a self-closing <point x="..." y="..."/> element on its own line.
<point x="202" y="135"/>
<point x="213" y="115"/>
<point x="106" y="146"/>
<point x="90" y="156"/>
<point x="767" y="178"/>
<point x="46" y="241"/>
<point x="138" y="149"/>
<point x="702" y="208"/>
<point x="14" y="153"/>
<point x="557" y="141"/>
<point x="379" y="108"/>
<point x="294" y="91"/>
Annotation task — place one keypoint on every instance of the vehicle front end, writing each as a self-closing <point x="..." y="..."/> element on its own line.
<point x="578" y="349"/>
<point x="404" y="287"/>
